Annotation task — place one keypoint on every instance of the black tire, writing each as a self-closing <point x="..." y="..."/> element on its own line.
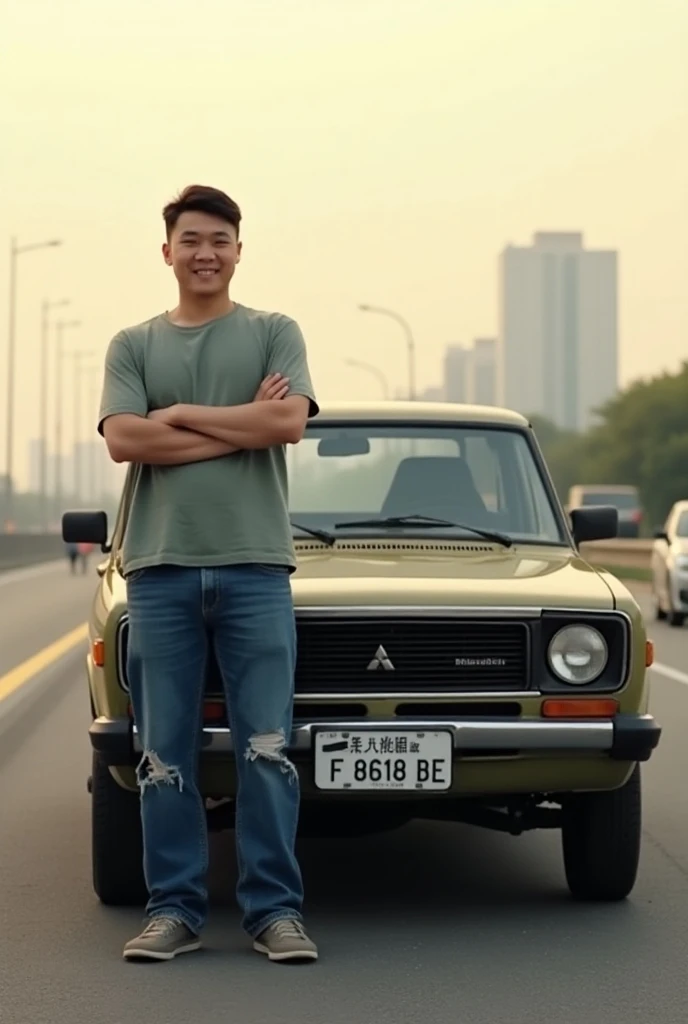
<point x="601" y="839"/>
<point x="116" y="841"/>
<point x="676" y="618"/>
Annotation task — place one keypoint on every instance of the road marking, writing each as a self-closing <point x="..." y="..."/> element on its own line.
<point x="32" y="666"/>
<point x="671" y="673"/>
<point x="30" y="571"/>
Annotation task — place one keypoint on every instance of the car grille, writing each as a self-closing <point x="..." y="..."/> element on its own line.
<point x="394" y="655"/>
<point x="336" y="655"/>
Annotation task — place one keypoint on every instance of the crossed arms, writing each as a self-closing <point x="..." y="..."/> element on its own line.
<point x="194" y="433"/>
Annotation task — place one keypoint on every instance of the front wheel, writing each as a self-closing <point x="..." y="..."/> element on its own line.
<point x="116" y="841"/>
<point x="601" y="838"/>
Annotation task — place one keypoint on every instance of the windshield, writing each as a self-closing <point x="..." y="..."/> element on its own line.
<point x="619" y="499"/>
<point x="476" y="476"/>
<point x="682" y="525"/>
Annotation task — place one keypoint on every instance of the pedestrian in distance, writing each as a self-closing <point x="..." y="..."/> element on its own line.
<point x="202" y="400"/>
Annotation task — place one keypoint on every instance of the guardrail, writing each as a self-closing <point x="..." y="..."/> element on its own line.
<point x="628" y="552"/>
<point x="19" y="549"/>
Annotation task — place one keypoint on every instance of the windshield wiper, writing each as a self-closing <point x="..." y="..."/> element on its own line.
<point x="323" y="535"/>
<point x="429" y="522"/>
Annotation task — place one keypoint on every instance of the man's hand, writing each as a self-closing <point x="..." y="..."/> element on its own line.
<point x="272" y="389"/>
<point x="163" y="415"/>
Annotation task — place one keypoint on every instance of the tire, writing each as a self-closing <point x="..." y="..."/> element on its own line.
<point x="601" y="838"/>
<point x="676" y="618"/>
<point x="116" y="841"/>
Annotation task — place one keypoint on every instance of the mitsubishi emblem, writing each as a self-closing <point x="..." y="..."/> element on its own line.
<point x="381" y="660"/>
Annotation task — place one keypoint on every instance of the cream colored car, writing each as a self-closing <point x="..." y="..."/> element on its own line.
<point x="669" y="566"/>
<point x="457" y="658"/>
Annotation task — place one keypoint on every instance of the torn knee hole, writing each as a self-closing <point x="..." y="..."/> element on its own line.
<point x="152" y="771"/>
<point x="270" y="747"/>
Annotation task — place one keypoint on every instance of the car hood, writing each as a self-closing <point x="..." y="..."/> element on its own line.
<point x="446" y="573"/>
<point x="410" y="572"/>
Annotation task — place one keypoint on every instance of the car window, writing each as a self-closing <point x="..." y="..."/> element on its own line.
<point x="682" y="524"/>
<point x="620" y="501"/>
<point x="480" y="476"/>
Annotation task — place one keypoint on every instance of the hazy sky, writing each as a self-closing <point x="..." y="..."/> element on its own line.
<point x="381" y="151"/>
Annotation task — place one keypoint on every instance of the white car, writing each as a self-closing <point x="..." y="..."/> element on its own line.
<point x="670" y="567"/>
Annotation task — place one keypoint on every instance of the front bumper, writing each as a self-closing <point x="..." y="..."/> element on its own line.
<point x="623" y="738"/>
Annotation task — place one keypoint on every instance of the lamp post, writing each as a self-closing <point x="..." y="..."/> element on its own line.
<point x="60" y="327"/>
<point x="375" y="371"/>
<point x="45" y="312"/>
<point x="410" y="341"/>
<point x="78" y="370"/>
<point x="15" y="251"/>
<point x="93" y="376"/>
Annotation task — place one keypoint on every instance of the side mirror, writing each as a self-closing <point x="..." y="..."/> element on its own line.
<point x="85" y="528"/>
<point x="594" y="522"/>
<point x="660" y="534"/>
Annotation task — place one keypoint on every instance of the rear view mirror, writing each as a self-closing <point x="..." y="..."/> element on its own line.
<point x="85" y="528"/>
<point x="345" y="444"/>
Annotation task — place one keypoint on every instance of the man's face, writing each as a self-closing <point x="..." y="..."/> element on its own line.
<point x="203" y="252"/>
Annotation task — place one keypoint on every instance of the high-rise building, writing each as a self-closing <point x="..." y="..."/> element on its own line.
<point x="456" y="373"/>
<point x="483" y="372"/>
<point x="432" y="394"/>
<point x="35" y="455"/>
<point x="558" y="329"/>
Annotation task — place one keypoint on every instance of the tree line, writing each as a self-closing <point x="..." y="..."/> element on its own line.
<point x="641" y="439"/>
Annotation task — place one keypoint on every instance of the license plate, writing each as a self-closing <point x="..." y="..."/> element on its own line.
<point x="384" y="759"/>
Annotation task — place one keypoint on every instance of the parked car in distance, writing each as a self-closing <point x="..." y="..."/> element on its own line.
<point x="624" y="498"/>
<point x="669" y="567"/>
<point x="458" y="658"/>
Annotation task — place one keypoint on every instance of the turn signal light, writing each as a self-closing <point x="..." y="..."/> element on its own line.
<point x="98" y="652"/>
<point x="649" y="653"/>
<point x="600" y="707"/>
<point x="213" y="711"/>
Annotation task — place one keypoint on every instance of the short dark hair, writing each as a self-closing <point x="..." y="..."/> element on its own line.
<point x="202" y="199"/>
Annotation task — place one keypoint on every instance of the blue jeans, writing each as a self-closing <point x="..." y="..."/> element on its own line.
<point x="246" y="612"/>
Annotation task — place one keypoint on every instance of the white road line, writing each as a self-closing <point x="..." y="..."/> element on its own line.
<point x="31" y="571"/>
<point x="671" y="673"/>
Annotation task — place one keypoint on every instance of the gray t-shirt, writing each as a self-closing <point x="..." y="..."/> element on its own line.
<point x="223" y="511"/>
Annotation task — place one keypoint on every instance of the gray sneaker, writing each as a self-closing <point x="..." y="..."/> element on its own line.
<point x="162" y="939"/>
<point x="286" y="940"/>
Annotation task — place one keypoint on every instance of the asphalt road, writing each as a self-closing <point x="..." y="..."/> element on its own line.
<point x="435" y="923"/>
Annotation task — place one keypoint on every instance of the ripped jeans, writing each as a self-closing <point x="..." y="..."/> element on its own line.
<point x="246" y="612"/>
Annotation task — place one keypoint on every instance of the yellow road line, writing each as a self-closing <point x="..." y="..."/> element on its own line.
<point x="32" y="666"/>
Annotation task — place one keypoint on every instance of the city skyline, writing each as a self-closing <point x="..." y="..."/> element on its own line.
<point x="355" y="214"/>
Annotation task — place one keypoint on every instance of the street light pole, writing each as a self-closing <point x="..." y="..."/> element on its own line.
<point x="59" y="357"/>
<point x="375" y="371"/>
<point x="45" y="311"/>
<point x="15" y="252"/>
<point x="410" y="341"/>
<point x="92" y="375"/>
<point x="78" y="369"/>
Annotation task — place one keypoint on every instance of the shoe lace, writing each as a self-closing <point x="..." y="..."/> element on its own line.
<point x="289" y="930"/>
<point x="161" y="926"/>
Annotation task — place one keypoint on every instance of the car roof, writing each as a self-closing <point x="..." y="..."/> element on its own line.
<point x="430" y="412"/>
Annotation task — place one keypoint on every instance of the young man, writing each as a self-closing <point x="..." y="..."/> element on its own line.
<point x="203" y="400"/>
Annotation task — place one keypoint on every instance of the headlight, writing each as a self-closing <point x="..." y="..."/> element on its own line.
<point x="577" y="654"/>
<point x="681" y="562"/>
